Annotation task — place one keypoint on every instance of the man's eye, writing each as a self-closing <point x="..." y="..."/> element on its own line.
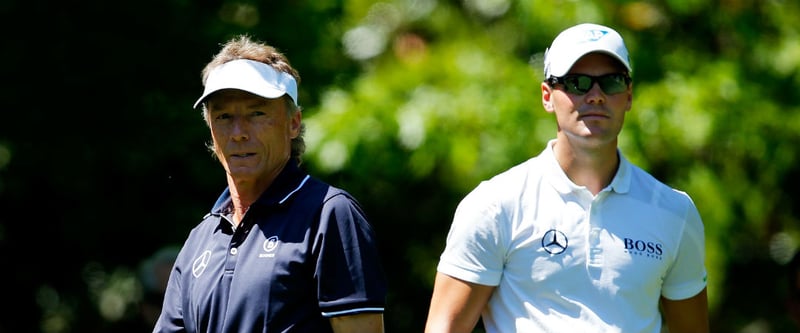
<point x="573" y="81"/>
<point x="223" y="116"/>
<point x="258" y="113"/>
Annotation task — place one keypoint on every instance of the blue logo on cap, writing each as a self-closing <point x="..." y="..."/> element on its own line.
<point x="595" y="35"/>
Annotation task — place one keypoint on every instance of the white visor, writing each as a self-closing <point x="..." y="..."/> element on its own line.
<point x="251" y="76"/>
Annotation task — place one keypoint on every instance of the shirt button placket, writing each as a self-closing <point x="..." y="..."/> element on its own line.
<point x="595" y="230"/>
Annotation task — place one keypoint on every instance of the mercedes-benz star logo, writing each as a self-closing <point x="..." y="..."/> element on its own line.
<point x="554" y="241"/>
<point x="200" y="264"/>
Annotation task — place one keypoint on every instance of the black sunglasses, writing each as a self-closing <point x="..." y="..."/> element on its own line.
<point x="579" y="84"/>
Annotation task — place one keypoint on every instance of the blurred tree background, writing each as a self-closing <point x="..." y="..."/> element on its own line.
<point x="408" y="103"/>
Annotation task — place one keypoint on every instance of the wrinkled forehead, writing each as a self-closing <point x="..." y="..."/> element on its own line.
<point x="224" y="98"/>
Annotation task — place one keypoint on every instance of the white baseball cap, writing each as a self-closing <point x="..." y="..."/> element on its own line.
<point x="251" y="76"/>
<point x="577" y="41"/>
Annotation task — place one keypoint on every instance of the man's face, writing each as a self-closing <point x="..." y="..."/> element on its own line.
<point x="595" y="116"/>
<point x="251" y="135"/>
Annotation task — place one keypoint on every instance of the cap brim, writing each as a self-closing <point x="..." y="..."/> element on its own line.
<point x="570" y="60"/>
<point x="251" y="76"/>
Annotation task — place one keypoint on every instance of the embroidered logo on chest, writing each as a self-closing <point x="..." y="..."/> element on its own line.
<point x="269" y="246"/>
<point x="199" y="265"/>
<point x="554" y="241"/>
<point x="644" y="248"/>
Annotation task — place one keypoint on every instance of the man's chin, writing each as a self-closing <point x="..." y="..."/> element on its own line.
<point x="242" y="172"/>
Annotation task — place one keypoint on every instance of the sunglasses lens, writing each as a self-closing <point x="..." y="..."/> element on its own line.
<point x="580" y="84"/>
<point x="613" y="83"/>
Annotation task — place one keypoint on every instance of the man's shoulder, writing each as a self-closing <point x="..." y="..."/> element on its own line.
<point x="645" y="183"/>
<point x="532" y="167"/>
<point x="510" y="184"/>
<point x="326" y="192"/>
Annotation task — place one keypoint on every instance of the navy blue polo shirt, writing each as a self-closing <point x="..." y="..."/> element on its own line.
<point x="303" y="252"/>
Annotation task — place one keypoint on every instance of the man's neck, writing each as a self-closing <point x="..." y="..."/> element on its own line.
<point x="593" y="167"/>
<point x="243" y="194"/>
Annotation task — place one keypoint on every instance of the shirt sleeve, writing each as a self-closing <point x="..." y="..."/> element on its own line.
<point x="475" y="245"/>
<point x="171" y="317"/>
<point x="688" y="275"/>
<point x="349" y="274"/>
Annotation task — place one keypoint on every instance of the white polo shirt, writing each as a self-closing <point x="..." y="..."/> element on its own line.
<point x="564" y="260"/>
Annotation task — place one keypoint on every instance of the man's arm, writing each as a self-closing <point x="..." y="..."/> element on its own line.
<point x="687" y="315"/>
<point x="456" y="305"/>
<point x="358" y="323"/>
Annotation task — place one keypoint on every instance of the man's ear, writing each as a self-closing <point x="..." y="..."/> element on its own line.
<point x="296" y="123"/>
<point x="630" y="98"/>
<point x="547" y="97"/>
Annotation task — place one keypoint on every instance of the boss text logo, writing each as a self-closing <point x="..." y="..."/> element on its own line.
<point x="644" y="247"/>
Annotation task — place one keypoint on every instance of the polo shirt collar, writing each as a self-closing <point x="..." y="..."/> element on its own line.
<point x="559" y="180"/>
<point x="290" y="180"/>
